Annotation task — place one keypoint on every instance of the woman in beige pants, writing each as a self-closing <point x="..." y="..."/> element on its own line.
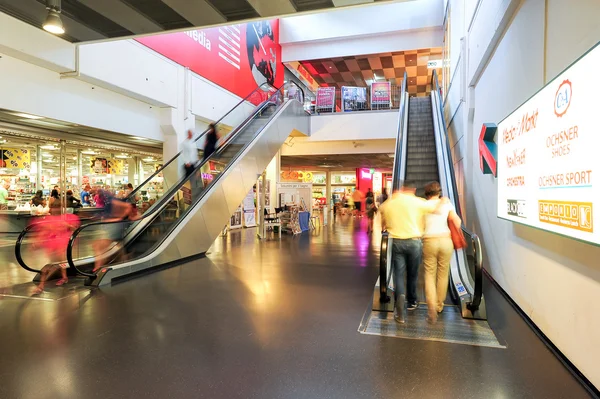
<point x="437" y="251"/>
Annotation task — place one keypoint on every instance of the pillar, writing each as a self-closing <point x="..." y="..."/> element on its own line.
<point x="261" y="212"/>
<point x="38" y="176"/>
<point x="79" y="171"/>
<point x="328" y="199"/>
<point x="132" y="171"/>
<point x="63" y="176"/>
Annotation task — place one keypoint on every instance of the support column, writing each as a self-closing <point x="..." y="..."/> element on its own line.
<point x="262" y="198"/>
<point x="79" y="172"/>
<point x="329" y="201"/>
<point x="132" y="171"/>
<point x="38" y="175"/>
<point x="63" y="176"/>
<point x="140" y="170"/>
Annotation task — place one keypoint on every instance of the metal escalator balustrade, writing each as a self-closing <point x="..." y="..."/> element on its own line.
<point x="423" y="155"/>
<point x="165" y="238"/>
<point x="30" y="247"/>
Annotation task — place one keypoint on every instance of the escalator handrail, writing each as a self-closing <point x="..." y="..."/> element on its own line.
<point x="476" y="242"/>
<point x="478" y="266"/>
<point x="400" y="137"/>
<point x="383" y="257"/>
<point x="133" y="193"/>
<point x="436" y="88"/>
<point x="171" y="193"/>
<point x="18" y="249"/>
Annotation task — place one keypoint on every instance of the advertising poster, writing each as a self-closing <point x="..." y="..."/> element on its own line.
<point x="381" y="94"/>
<point x="238" y="58"/>
<point x="15" y="158"/>
<point x="116" y="166"/>
<point x="249" y="210"/>
<point x="99" y="166"/>
<point x="236" y="219"/>
<point x="547" y="156"/>
<point x="354" y="98"/>
<point x="326" y="99"/>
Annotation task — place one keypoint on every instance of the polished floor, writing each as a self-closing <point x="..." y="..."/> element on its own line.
<point x="276" y="319"/>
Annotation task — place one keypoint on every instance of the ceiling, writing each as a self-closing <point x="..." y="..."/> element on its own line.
<point x="87" y="20"/>
<point x="35" y="128"/>
<point x="361" y="70"/>
<point x="338" y="161"/>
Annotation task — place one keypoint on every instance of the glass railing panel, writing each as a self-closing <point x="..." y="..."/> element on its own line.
<point x="93" y="240"/>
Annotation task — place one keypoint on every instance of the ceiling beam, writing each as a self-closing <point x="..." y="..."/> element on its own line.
<point x="270" y="8"/>
<point x="198" y="12"/>
<point x="37" y="13"/>
<point x="123" y="15"/>
<point x="344" y="3"/>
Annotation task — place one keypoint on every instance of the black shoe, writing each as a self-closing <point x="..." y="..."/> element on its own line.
<point x="412" y="306"/>
<point x="399" y="310"/>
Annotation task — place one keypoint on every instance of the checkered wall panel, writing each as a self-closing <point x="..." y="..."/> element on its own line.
<point x="361" y="70"/>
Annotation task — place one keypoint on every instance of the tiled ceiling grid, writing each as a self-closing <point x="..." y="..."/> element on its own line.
<point x="361" y="70"/>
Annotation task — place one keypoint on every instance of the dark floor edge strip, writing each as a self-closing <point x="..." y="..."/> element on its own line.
<point x="156" y="268"/>
<point x="583" y="380"/>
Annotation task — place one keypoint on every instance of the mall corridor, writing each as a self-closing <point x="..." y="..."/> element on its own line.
<point x="276" y="319"/>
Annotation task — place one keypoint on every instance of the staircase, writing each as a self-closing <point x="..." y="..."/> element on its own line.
<point x="421" y="162"/>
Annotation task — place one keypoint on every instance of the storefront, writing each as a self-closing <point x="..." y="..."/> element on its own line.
<point x="31" y="163"/>
<point x="341" y="183"/>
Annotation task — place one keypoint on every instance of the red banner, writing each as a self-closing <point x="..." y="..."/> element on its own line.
<point x="238" y="58"/>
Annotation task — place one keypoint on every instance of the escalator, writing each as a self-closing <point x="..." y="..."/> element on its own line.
<point x="186" y="219"/>
<point x="422" y="156"/>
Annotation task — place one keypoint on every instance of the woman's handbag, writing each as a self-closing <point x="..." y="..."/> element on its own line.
<point x="458" y="238"/>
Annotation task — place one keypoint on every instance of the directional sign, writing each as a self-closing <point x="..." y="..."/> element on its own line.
<point x="488" y="150"/>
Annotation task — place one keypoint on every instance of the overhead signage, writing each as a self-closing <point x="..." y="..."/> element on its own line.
<point x="547" y="156"/>
<point x="238" y="58"/>
<point x="301" y="73"/>
<point x="297" y="176"/>
<point x="15" y="158"/>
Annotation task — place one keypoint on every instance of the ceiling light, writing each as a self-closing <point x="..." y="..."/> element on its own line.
<point x="53" y="23"/>
<point x="148" y="159"/>
<point x="122" y="156"/>
<point x="48" y="147"/>
<point x="28" y="116"/>
<point x="88" y="152"/>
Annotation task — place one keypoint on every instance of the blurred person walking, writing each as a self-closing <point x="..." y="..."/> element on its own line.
<point x="402" y="217"/>
<point x="85" y="195"/>
<point x="437" y="250"/>
<point x="358" y="197"/>
<point x="190" y="154"/>
<point x="54" y="202"/>
<point x="210" y="144"/>
<point x="371" y="210"/>
<point x="4" y="195"/>
<point x="383" y="196"/>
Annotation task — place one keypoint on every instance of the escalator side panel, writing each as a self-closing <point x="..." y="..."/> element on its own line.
<point x="234" y="185"/>
<point x="198" y="229"/>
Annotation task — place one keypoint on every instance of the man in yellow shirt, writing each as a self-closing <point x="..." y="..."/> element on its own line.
<point x="403" y="217"/>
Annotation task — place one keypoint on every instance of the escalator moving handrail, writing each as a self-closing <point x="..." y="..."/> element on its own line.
<point x="478" y="278"/>
<point x="400" y="137"/>
<point x="162" y="168"/>
<point x="177" y="187"/>
<point x="383" y="256"/>
<point x="478" y="265"/>
<point x="18" y="249"/>
<point x="25" y="231"/>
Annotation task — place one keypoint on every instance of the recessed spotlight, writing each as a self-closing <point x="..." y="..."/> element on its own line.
<point x="53" y="23"/>
<point x="28" y="116"/>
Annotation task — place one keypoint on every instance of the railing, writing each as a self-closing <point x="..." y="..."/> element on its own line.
<point x="29" y="248"/>
<point x="96" y="228"/>
<point x="384" y="273"/>
<point x="348" y="101"/>
<point x="477" y="292"/>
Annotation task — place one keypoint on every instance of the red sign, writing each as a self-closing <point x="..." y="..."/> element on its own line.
<point x="238" y="58"/>
<point x="325" y="97"/>
<point x="488" y="150"/>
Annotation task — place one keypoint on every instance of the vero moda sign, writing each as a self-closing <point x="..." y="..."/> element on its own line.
<point x="238" y="58"/>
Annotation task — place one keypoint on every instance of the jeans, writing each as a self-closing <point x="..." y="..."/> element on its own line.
<point x="406" y="258"/>
<point x="437" y="253"/>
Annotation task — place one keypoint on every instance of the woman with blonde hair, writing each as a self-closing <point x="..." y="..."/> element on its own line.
<point x="437" y="251"/>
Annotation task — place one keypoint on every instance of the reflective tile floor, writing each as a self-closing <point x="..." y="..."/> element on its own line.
<point x="259" y="320"/>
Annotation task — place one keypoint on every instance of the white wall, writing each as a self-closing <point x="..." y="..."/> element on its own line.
<point x="555" y="280"/>
<point x="35" y="90"/>
<point x="354" y="126"/>
<point x="344" y="23"/>
<point x="304" y="146"/>
<point x="346" y="32"/>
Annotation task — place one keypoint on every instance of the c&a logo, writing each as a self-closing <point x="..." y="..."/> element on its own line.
<point x="562" y="99"/>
